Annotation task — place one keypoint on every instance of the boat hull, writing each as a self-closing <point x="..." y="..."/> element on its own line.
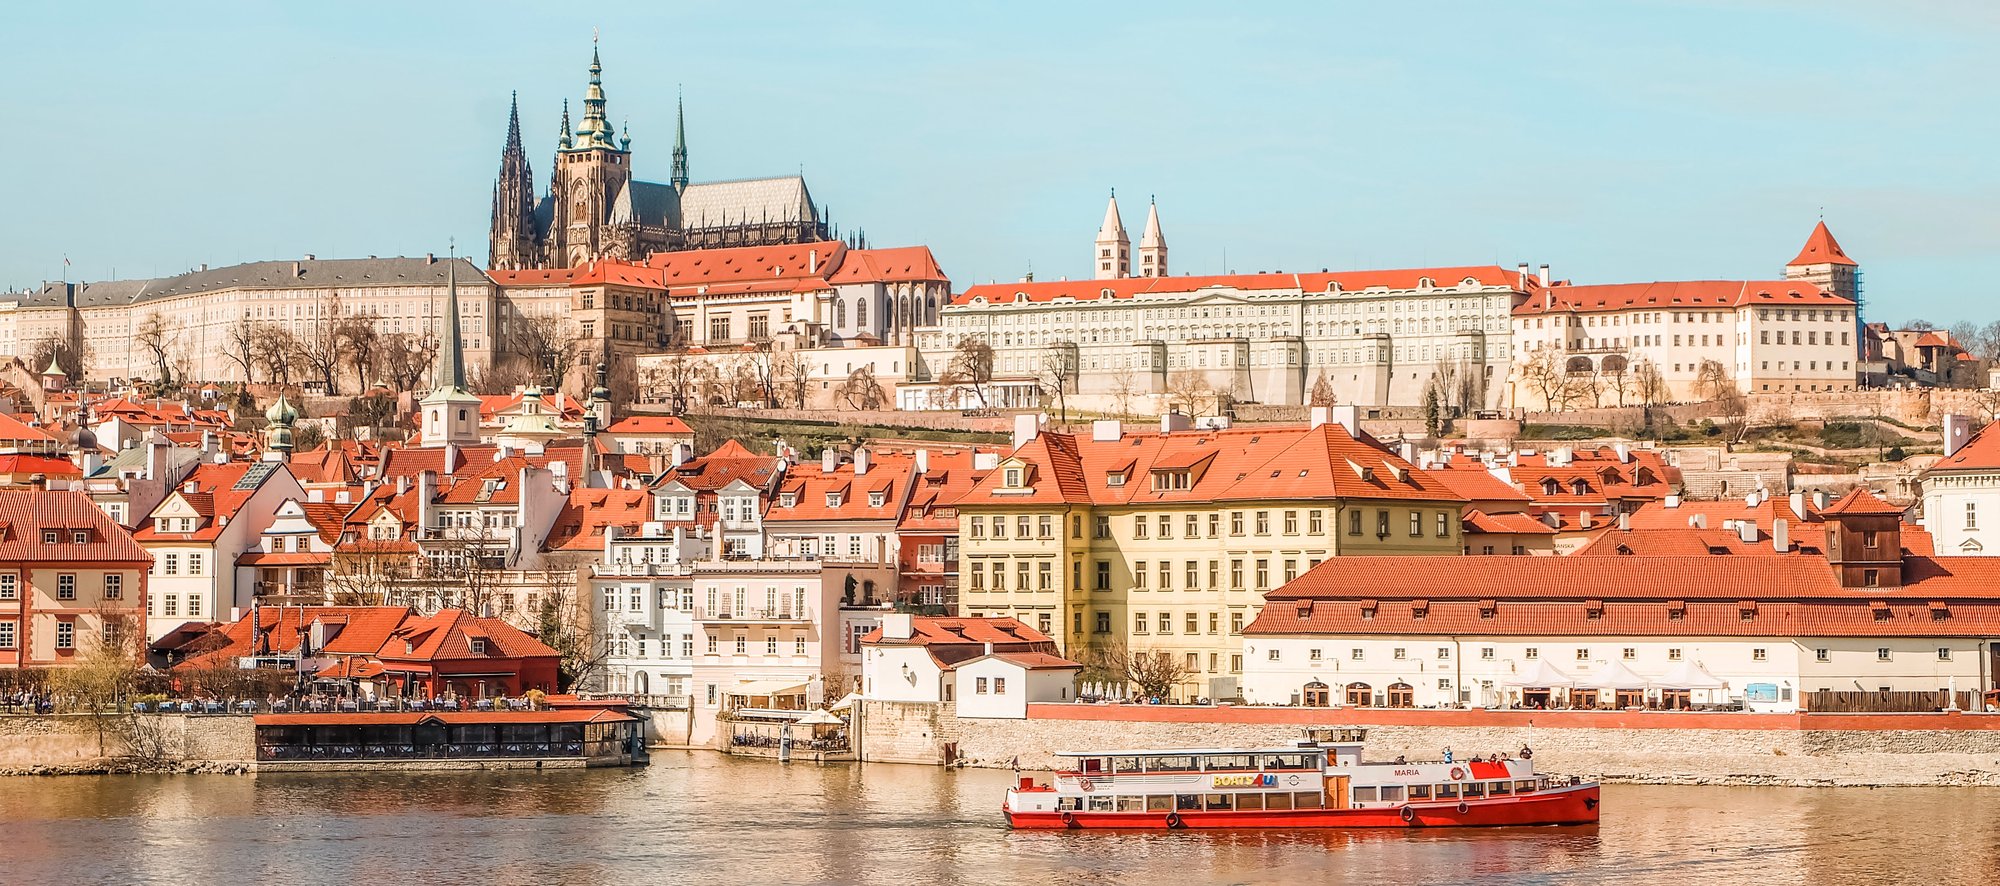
<point x="1569" y="805"/>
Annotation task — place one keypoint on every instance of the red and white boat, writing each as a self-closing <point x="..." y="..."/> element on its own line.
<point x="1321" y="782"/>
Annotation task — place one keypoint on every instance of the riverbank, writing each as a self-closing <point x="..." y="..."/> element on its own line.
<point x="1795" y="750"/>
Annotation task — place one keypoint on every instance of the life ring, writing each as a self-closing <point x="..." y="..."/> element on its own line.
<point x="1084" y="784"/>
<point x="1174" y="821"/>
<point x="1462" y="808"/>
<point x="1409" y="815"/>
<point x="1069" y="820"/>
<point x="1457" y="773"/>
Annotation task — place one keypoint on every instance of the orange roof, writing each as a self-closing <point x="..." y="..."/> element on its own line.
<point x="748" y="268"/>
<point x="1678" y="294"/>
<point x="25" y="514"/>
<point x="1934" y="339"/>
<point x="1821" y="249"/>
<point x="650" y="424"/>
<point x="1861" y="501"/>
<point x="210" y="489"/>
<point x="900" y="264"/>
<point x="1505" y="524"/>
<point x="589" y="274"/>
<point x="1484" y="276"/>
<point x="807" y="485"/>
<point x="1473" y="482"/>
<point x="1981" y="453"/>
<point x="412" y="718"/>
<point x="728" y="463"/>
<point x="48" y="465"/>
<point x="447" y="634"/>
<point x="934" y="495"/>
<point x="581" y="524"/>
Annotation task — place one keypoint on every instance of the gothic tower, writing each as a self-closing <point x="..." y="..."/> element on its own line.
<point x="450" y="413"/>
<point x="1114" y="248"/>
<point x="512" y="240"/>
<point x="680" y="171"/>
<point x="592" y="172"/>
<point x="1152" y="245"/>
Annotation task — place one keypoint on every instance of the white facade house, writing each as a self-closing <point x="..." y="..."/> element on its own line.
<point x="1961" y="492"/>
<point x="1001" y="685"/>
<point x="988" y="667"/>
<point x="215" y="515"/>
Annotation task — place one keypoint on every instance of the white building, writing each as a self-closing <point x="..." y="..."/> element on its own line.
<point x="215" y="515"/>
<point x="1961" y="492"/>
<point x="987" y="667"/>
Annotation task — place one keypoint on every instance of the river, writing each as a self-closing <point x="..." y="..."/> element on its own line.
<point x="702" y="817"/>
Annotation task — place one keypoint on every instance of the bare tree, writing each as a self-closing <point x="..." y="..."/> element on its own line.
<point x="675" y="381"/>
<point x="53" y="347"/>
<point x="795" y="371"/>
<point x="1153" y="673"/>
<point x="276" y="350"/>
<point x="548" y="344"/>
<point x="1543" y="372"/>
<point x="1711" y="379"/>
<point x="562" y="621"/>
<point x="971" y="366"/>
<point x="358" y="336"/>
<point x="860" y="391"/>
<point x="1190" y="390"/>
<point x="1058" y="377"/>
<point x="1617" y="374"/>
<point x="319" y="348"/>
<point x="155" y="336"/>
<point x="239" y="344"/>
<point x="368" y="572"/>
<point x="402" y="359"/>
<point x="762" y="362"/>
<point x="1648" y="383"/>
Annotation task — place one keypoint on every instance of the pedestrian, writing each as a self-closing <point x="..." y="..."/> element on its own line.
<point x="1527" y="753"/>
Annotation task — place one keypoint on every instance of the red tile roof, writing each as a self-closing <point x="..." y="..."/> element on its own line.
<point x="1484" y="276"/>
<point x="24" y="514"/>
<point x="1821" y="249"/>
<point x="1861" y="501"/>
<point x="447" y="634"/>
<point x="589" y="274"/>
<point x="934" y="496"/>
<point x="47" y="465"/>
<point x="1505" y="524"/>
<point x="650" y="424"/>
<point x="727" y="464"/>
<point x="210" y="489"/>
<point x="1678" y="294"/>
<point x="581" y="524"/>
<point x="1980" y="453"/>
<point x="807" y="485"/>
<point x="1472" y="481"/>
<point x="897" y="265"/>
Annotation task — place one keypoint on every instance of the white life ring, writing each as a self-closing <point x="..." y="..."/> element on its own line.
<point x="1084" y="784"/>
<point x="1457" y="774"/>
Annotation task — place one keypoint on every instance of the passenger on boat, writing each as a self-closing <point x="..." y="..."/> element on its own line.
<point x="1527" y="753"/>
<point x="1399" y="760"/>
<point x="1447" y="753"/>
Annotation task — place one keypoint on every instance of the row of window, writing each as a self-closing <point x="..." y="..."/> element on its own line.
<point x="1209" y="525"/>
<point x="1583" y="653"/>
<point x="1192" y="623"/>
<point x="628" y="646"/>
<point x="113" y="587"/>
<point x="170" y="564"/>
<point x="65" y="634"/>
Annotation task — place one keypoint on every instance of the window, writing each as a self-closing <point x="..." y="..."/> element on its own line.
<point x="10" y="587"/>
<point x="1166" y="623"/>
<point x="770" y="645"/>
<point x="1882" y="654"/>
<point x="1629" y="654"/>
<point x="1971" y="515"/>
<point x="1944" y="653"/>
<point x="1416" y="524"/>
<point x="1103" y="622"/>
<point x="1274" y="655"/>
<point x="1046" y="528"/>
<point x="1193" y="623"/>
<point x="711" y="644"/>
<point x="1263" y="574"/>
<point x="1531" y="653"/>
<point x="1236" y="623"/>
<point x="1758" y="655"/>
<point x="1166" y="526"/>
<point x="1138" y="622"/>
<point x="1044" y="576"/>
<point x="979" y="685"/>
<point x="1103" y="575"/>
<point x="51" y="536"/>
<point x="1236" y="664"/>
<point x="1139" y="526"/>
<point x="65" y="635"/>
<point x="170" y="564"/>
<point x="1194" y="663"/>
<point x="1193" y="575"/>
<point x="1357" y="654"/>
<point x="1103" y="526"/>
<point x="1263" y="522"/>
<point x="6" y="635"/>
<point x="1485" y="653"/>
<point x="1236" y="523"/>
<point x="1193" y="527"/>
<point x="1166" y="575"/>
<point x="1673" y="655"/>
<point x="1312" y="654"/>
<point x="1444" y="653"/>
<point x="195" y="564"/>
<point x="999" y="685"/>
<point x="742" y="644"/>
<point x="66" y="586"/>
<point x="1214" y="525"/>
<point x="1291" y="522"/>
<point x="1822" y="655"/>
<point x="1382" y="524"/>
<point x="1315" y="522"/>
<point x="114" y="586"/>
<point x="1444" y="524"/>
<point x="1236" y="574"/>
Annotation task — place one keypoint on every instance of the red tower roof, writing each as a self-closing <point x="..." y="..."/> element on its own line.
<point x="1822" y="249"/>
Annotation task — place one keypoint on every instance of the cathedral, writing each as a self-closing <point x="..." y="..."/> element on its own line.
<point x="595" y="209"/>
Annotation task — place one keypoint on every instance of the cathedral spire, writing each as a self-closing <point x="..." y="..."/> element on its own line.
<point x="680" y="169"/>
<point x="511" y="238"/>
<point x="594" y="131"/>
<point x="451" y="360"/>
<point x="1152" y="245"/>
<point x="562" y="138"/>
<point x="1114" y="246"/>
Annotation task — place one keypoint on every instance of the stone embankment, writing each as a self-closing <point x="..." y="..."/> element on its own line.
<point x="1658" y="748"/>
<point x="85" y="744"/>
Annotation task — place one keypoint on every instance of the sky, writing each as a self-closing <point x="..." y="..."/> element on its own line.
<point x="1617" y="142"/>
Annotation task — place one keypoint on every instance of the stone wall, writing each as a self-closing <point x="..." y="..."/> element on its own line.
<point x="1662" y="748"/>
<point x="667" y="728"/>
<point x="908" y="732"/>
<point x="84" y="743"/>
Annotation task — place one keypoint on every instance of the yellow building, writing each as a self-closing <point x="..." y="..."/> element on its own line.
<point x="1166" y="542"/>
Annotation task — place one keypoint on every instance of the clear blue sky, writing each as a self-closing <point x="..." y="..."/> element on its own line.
<point x="1616" y="141"/>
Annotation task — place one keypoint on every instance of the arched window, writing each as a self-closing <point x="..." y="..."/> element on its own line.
<point x="1401" y="695"/>
<point x="1359" y="695"/>
<point x="1316" y="695"/>
<point x="861" y="313"/>
<point x="839" y="313"/>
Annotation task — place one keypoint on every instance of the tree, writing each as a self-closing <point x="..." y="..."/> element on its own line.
<point x="1433" y="410"/>
<point x="1711" y="379"/>
<point x="359" y="337"/>
<point x="1124" y="389"/>
<point x="971" y="366"/>
<point x="402" y="359"/>
<point x="376" y="410"/>
<point x="548" y="344"/>
<point x="155" y="336"/>
<point x="1152" y="673"/>
<point x="277" y="351"/>
<point x="319" y="348"/>
<point x="103" y="674"/>
<point x="675" y="381"/>
<point x="53" y="347"/>
<point x="1189" y="390"/>
<point x="1617" y="370"/>
<point x="367" y="572"/>
<point x="796" y="374"/>
<point x="239" y="344"/>
<point x="1322" y="391"/>
<point x="1543" y="372"/>
<point x="562" y="622"/>
<point x="1059" y="370"/>
<point x="762" y="363"/>
<point x="1648" y="383"/>
<point x="860" y="391"/>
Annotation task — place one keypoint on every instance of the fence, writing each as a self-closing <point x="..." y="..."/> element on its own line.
<point x="1830" y="702"/>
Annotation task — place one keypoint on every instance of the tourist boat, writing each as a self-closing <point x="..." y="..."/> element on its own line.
<point x="1321" y="782"/>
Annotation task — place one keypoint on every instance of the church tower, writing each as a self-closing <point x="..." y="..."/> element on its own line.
<point x="1152" y="245"/>
<point x="1823" y="263"/>
<point x="593" y="172"/>
<point x="450" y="413"/>
<point x="1114" y="248"/>
<point x="680" y="170"/>
<point x="512" y="241"/>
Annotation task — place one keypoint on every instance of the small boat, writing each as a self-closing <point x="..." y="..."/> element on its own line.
<point x="1321" y="782"/>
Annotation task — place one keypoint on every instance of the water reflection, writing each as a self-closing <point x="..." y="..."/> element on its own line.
<point x="704" y="818"/>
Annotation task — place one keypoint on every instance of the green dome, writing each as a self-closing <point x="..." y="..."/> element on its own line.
<point x="281" y="413"/>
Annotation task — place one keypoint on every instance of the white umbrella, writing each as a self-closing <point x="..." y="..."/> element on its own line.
<point x="820" y="718"/>
<point x="1614" y="677"/>
<point x="1689" y="675"/>
<point x="845" y="702"/>
<point x="1540" y="675"/>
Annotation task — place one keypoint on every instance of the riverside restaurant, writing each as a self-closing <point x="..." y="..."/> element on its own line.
<point x="451" y="739"/>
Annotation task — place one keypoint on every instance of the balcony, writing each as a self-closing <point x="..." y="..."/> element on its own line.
<point x="753" y="614"/>
<point x="638" y="570"/>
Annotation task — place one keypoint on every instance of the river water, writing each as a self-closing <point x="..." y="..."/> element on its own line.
<point x="705" y="818"/>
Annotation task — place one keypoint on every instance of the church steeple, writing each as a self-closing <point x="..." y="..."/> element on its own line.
<point x="562" y="138"/>
<point x="680" y="170"/>
<point x="595" y="131"/>
<point x="451" y="359"/>
<point x="511" y="240"/>
<point x="450" y="413"/>
<point x="1114" y="247"/>
<point x="1152" y="245"/>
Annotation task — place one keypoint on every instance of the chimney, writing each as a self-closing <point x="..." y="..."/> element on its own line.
<point x="812" y="261"/>
<point x="430" y="258"/>
<point x="682" y="452"/>
<point x="1957" y="429"/>
<point x="1027" y="426"/>
<point x="402" y="483"/>
<point x="1747" y="531"/>
<point x="343" y="497"/>
<point x="316" y="495"/>
<point x="297" y="271"/>
<point x="1521" y="276"/>
<point x="989" y="647"/>
<point x="311" y="257"/>
<point x="1698" y="521"/>
<point x="1623" y="450"/>
<point x="898" y="626"/>
<point x="860" y="460"/>
<point x="1583" y="520"/>
<point x="1175" y="421"/>
<point x="1819" y="499"/>
<point x="1624" y="522"/>
<point x="985" y="461"/>
<point x="1320" y="415"/>
<point x="1545" y="276"/>
<point x="1107" y="430"/>
<point x="1798" y="501"/>
<point x="1781" y="537"/>
<point x="923" y="462"/>
<point x="1348" y="417"/>
<point x="829" y="460"/>
<point x="1673" y="501"/>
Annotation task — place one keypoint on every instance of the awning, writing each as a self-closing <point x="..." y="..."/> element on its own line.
<point x="845" y="702"/>
<point x="1689" y="675"/>
<point x="1614" y="676"/>
<point x="761" y="688"/>
<point x="1540" y="675"/>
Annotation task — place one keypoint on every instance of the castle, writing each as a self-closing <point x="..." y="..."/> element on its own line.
<point x="594" y="208"/>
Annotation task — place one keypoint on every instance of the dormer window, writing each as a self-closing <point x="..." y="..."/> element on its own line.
<point x="1551" y="487"/>
<point x="1170" y="480"/>
<point x="877" y="499"/>
<point x="1114" y="479"/>
<point x="51" y="536"/>
<point x="833" y="499"/>
<point x="1012" y="478"/>
<point x="79" y="536"/>
<point x="478" y="645"/>
<point x="1578" y="487"/>
<point x="788" y="499"/>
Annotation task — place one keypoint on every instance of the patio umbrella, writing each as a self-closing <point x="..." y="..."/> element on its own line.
<point x="845" y="702"/>
<point x="1616" y="676"/>
<point x="820" y="718"/>
<point x="1689" y="675"/>
<point x="1540" y="675"/>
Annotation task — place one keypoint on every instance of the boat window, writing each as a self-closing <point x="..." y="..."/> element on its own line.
<point x="1176" y="763"/>
<point x="1364" y="795"/>
<point x="1187" y="801"/>
<point x="1475" y="789"/>
<point x="1131" y="804"/>
<point x="1228" y="761"/>
<point x="1447" y="792"/>
<point x="1094" y="764"/>
<point x="1160" y="803"/>
<point x="1420" y="792"/>
<point x="1308" y="800"/>
<point x="1502" y="787"/>
<point x="1218" y="801"/>
<point x="1277" y="801"/>
<point x="1286" y="761"/>
<point x="1102" y="804"/>
<point x="1125" y="764"/>
<point x="1524" y="787"/>
<point x="1068" y="803"/>
<point x="1250" y="801"/>
<point x="1392" y="793"/>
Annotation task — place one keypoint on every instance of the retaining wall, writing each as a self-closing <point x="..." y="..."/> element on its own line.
<point x="83" y="742"/>
<point x="1644" y="747"/>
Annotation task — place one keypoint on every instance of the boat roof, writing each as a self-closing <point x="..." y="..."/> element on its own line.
<point x="1183" y="752"/>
